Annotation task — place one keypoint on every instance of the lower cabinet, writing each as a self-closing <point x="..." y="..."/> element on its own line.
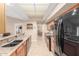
<point x="71" y="48"/>
<point x="48" y="42"/>
<point x="20" y="51"/>
<point x="23" y="49"/>
<point x="28" y="42"/>
<point x="14" y="53"/>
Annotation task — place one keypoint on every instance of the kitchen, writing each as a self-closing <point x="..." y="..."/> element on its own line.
<point x="65" y="33"/>
<point x="18" y="32"/>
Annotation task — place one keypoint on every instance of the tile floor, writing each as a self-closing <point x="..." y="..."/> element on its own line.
<point x="39" y="48"/>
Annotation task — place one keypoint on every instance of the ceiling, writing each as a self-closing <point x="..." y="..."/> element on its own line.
<point x="60" y="11"/>
<point x="32" y="11"/>
<point x="35" y="10"/>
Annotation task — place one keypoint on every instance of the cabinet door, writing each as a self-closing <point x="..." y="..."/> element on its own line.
<point x="2" y="18"/>
<point x="28" y="44"/>
<point x="25" y="48"/>
<point x="20" y="51"/>
<point x="14" y="54"/>
<point x="69" y="49"/>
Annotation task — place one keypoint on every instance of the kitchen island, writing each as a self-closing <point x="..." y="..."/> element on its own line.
<point x="19" y="50"/>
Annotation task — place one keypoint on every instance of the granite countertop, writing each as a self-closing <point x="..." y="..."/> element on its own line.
<point x="3" y="38"/>
<point x="6" y="51"/>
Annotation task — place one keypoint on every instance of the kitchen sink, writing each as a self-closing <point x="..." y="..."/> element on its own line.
<point x="16" y="41"/>
<point x="13" y="43"/>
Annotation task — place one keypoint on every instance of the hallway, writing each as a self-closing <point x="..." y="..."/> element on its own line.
<point x="39" y="48"/>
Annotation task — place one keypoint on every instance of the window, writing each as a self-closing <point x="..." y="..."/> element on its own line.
<point x="29" y="26"/>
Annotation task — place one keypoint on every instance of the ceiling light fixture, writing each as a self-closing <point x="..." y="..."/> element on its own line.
<point x="8" y="3"/>
<point x="74" y="12"/>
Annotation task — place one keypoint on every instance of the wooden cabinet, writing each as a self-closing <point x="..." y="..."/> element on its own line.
<point x="71" y="48"/>
<point x="14" y="53"/>
<point x="48" y="42"/>
<point x="2" y="18"/>
<point x="20" y="50"/>
<point x="28" y="44"/>
<point x="23" y="49"/>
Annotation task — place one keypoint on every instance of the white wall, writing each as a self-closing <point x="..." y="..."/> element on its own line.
<point x="10" y="24"/>
<point x="44" y="30"/>
<point x="34" y="31"/>
<point x="39" y="27"/>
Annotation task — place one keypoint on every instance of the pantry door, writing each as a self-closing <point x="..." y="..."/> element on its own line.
<point x="2" y="18"/>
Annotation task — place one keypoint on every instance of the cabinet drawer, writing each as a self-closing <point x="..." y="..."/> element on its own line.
<point x="69" y="49"/>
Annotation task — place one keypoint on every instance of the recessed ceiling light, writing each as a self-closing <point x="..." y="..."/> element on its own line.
<point x="8" y="4"/>
<point x="74" y="12"/>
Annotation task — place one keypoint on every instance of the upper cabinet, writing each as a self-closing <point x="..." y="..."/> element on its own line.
<point x="2" y="18"/>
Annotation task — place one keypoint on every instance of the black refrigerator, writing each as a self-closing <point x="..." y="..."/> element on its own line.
<point x="59" y="30"/>
<point x="63" y="32"/>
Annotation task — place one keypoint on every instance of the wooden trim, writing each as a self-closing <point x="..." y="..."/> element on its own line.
<point x="2" y="17"/>
<point x="68" y="10"/>
<point x="4" y="20"/>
